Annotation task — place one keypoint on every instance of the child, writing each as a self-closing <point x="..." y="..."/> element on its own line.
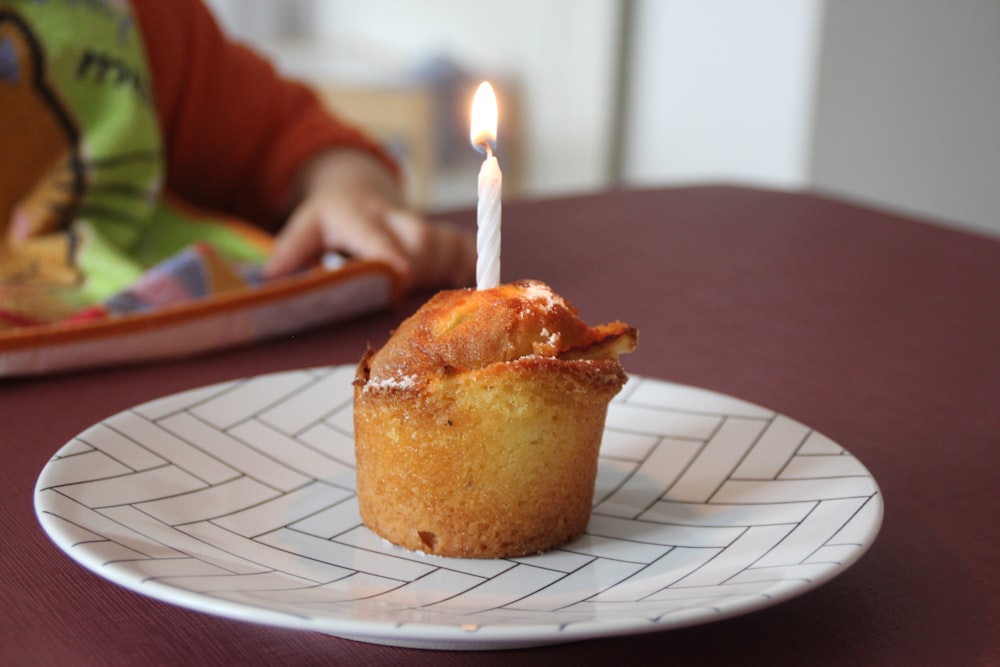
<point x="130" y="121"/>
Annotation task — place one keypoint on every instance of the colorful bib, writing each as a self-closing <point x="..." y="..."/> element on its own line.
<point x="82" y="211"/>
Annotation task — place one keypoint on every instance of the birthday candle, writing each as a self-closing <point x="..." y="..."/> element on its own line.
<point x="483" y="133"/>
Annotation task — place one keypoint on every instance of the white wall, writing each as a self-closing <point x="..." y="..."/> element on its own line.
<point x="894" y="103"/>
<point x="721" y="90"/>
<point x="909" y="108"/>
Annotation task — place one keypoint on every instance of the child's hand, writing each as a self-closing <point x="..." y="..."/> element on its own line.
<point x="351" y="204"/>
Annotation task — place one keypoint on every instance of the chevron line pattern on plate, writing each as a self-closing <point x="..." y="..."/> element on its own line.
<point x="238" y="500"/>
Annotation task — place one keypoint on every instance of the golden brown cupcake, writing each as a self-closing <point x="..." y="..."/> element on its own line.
<point x="478" y="424"/>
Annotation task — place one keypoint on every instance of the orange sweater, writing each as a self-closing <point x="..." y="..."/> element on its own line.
<point x="235" y="133"/>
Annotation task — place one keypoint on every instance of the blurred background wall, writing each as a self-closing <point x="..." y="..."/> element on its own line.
<point x="894" y="103"/>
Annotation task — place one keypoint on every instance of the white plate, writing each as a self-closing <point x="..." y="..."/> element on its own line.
<point x="237" y="500"/>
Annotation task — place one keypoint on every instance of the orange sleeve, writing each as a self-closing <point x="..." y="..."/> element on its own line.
<point x="234" y="131"/>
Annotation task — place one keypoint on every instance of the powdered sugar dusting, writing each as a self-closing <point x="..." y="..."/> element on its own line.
<point x="536" y="291"/>
<point x="551" y="339"/>
<point x="398" y="381"/>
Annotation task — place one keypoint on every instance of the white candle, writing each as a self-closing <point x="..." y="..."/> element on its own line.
<point x="488" y="221"/>
<point x="483" y="134"/>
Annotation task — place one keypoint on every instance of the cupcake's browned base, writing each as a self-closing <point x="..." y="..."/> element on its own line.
<point x="494" y="462"/>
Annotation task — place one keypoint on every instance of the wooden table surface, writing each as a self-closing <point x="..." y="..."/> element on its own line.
<point x="877" y="330"/>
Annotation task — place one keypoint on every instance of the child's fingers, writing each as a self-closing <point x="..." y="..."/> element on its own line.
<point x="297" y="245"/>
<point x="315" y="229"/>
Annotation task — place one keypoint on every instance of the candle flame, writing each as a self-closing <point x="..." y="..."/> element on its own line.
<point x="483" y="128"/>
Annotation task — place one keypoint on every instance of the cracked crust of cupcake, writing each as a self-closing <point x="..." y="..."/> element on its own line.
<point x="478" y="424"/>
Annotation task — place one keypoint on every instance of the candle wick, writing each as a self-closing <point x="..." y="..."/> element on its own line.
<point x="489" y="149"/>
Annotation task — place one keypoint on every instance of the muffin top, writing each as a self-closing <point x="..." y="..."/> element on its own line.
<point x="467" y="329"/>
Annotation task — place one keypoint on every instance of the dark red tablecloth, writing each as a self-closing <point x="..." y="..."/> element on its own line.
<point x="880" y="331"/>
